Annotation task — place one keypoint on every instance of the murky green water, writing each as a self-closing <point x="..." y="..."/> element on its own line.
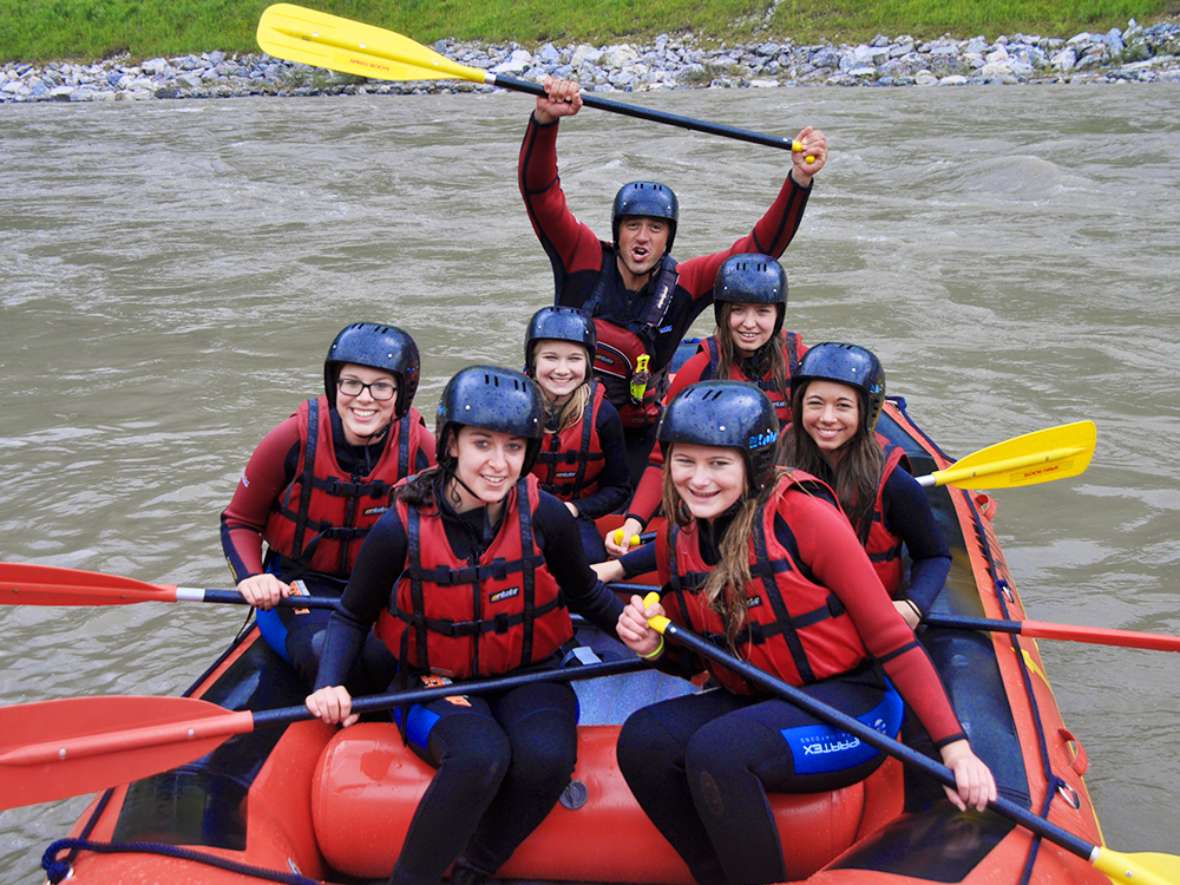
<point x="171" y="275"/>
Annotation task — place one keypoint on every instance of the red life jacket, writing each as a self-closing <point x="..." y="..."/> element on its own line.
<point x="615" y="359"/>
<point x="882" y="545"/>
<point x="780" y="399"/>
<point x="320" y="519"/>
<point x="570" y="462"/>
<point x="450" y="617"/>
<point x="794" y="629"/>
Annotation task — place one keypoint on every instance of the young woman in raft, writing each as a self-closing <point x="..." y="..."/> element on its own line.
<point x="764" y="561"/>
<point x="467" y="576"/>
<point x="837" y="396"/>
<point x="315" y="485"/>
<point x="582" y="460"/>
<point x="749" y="344"/>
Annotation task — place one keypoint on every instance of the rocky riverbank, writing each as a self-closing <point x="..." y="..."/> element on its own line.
<point x="1134" y="54"/>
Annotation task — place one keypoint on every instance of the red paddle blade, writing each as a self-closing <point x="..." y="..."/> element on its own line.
<point x="54" y="749"/>
<point x="29" y="584"/>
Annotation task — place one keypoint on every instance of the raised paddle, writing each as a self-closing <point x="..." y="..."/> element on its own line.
<point x="340" y="44"/>
<point x="1144" y="868"/>
<point x="54" y="749"/>
<point x="1041" y="456"/>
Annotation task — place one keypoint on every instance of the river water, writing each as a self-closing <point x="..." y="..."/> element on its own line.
<point x="172" y="272"/>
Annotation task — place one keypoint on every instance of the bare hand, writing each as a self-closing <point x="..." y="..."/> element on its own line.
<point x="815" y="146"/>
<point x="562" y="98"/>
<point x="633" y="629"/>
<point x="625" y="535"/>
<point x="975" y="784"/>
<point x="263" y="591"/>
<point x="332" y="704"/>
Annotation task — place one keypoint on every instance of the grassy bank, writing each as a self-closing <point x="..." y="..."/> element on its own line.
<point x="90" y="29"/>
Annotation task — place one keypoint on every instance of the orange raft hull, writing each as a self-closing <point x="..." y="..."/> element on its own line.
<point x="303" y="802"/>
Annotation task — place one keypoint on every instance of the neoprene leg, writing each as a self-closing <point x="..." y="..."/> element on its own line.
<point x="541" y="722"/>
<point x="472" y="754"/>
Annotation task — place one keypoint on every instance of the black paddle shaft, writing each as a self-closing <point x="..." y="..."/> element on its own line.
<point x="630" y="110"/>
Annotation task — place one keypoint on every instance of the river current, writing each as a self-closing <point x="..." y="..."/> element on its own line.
<point x="171" y="274"/>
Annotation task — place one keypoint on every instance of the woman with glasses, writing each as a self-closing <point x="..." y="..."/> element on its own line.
<point x="316" y="484"/>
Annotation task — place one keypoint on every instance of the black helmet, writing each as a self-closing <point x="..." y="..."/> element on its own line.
<point x="751" y="278"/>
<point x="848" y="364"/>
<point x="493" y="399"/>
<point x="728" y="414"/>
<point x="560" y="324"/>
<point x="648" y="199"/>
<point x="379" y="347"/>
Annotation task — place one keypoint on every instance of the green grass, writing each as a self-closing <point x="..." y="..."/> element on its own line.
<point x="38" y="30"/>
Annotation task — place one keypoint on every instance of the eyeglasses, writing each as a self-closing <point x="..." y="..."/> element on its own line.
<point x="379" y="390"/>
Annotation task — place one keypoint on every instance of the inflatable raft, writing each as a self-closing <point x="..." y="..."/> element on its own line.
<point x="308" y="802"/>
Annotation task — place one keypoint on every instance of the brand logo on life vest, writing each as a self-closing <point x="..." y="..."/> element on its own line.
<point x="376" y="511"/>
<point x="501" y="595"/>
<point x="762" y="440"/>
<point x="753" y="602"/>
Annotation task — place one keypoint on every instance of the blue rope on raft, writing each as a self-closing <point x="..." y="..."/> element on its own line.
<point x="57" y="870"/>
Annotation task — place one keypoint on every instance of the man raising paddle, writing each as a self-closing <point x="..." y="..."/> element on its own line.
<point x="641" y="300"/>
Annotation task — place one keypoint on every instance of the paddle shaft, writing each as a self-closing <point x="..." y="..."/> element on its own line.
<point x="630" y="110"/>
<point x="869" y="735"/>
<point x="1047" y="630"/>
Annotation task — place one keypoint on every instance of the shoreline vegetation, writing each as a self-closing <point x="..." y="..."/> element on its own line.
<point x="761" y="45"/>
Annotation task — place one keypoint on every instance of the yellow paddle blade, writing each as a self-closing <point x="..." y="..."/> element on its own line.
<point x="340" y="44"/>
<point x="1139" y="868"/>
<point x="1043" y="456"/>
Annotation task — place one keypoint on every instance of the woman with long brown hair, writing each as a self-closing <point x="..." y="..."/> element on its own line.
<point x="763" y="561"/>
<point x="749" y="344"/>
<point x="837" y="394"/>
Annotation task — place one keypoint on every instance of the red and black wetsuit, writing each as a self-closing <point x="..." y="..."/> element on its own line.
<point x="700" y="765"/>
<point x="504" y="758"/>
<point x="277" y="466"/>
<point x="586" y="274"/>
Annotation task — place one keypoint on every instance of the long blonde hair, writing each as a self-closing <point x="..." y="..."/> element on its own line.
<point x="567" y="414"/>
<point x="728" y="357"/>
<point x="725" y="588"/>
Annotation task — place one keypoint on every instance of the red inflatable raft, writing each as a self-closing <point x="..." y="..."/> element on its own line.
<point x="307" y="803"/>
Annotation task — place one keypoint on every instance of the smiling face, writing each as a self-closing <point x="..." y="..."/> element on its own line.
<point x="831" y="416"/>
<point x="751" y="325"/>
<point x="560" y="367"/>
<point x="362" y="415"/>
<point x="642" y="243"/>
<point x="488" y="462"/>
<point x="708" y="479"/>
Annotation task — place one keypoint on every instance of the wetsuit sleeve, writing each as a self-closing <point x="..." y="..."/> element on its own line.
<point x="908" y="515"/>
<point x="646" y="501"/>
<point x="572" y="246"/>
<point x="380" y="562"/>
<point x="771" y="235"/>
<point x="830" y="548"/>
<point x="614" y="482"/>
<point x="639" y="561"/>
<point x="426" y="457"/>
<point x="562" y="545"/>
<point x="269" y="471"/>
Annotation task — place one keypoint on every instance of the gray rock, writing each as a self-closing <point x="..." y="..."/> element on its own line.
<point x="155" y="66"/>
<point x="1065" y="59"/>
<point x="953" y="80"/>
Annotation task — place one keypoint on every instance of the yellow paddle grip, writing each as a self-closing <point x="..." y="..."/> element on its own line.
<point x="619" y="538"/>
<point x="797" y="148"/>
<point x="659" y="623"/>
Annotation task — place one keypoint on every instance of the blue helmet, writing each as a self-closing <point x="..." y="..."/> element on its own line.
<point x="751" y="278"/>
<point x="379" y="347"/>
<point x="492" y="398"/>
<point x="727" y="414"/>
<point x="560" y="324"/>
<point x="848" y="364"/>
<point x="647" y="199"/>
